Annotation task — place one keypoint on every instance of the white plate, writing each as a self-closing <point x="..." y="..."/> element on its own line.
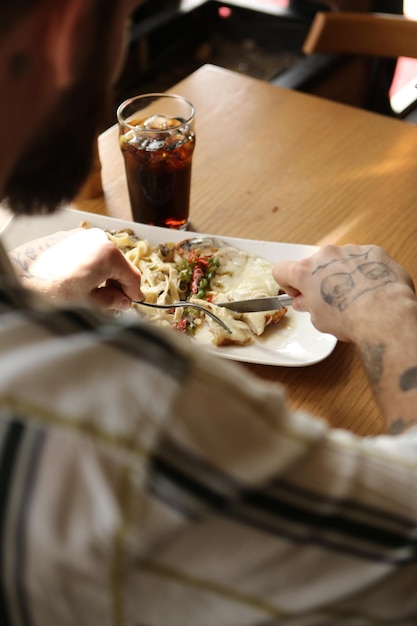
<point x="293" y="342"/>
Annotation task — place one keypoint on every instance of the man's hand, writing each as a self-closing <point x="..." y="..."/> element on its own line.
<point x="345" y="289"/>
<point x="359" y="294"/>
<point x="77" y="264"/>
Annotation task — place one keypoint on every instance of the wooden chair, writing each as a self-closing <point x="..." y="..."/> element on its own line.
<point x="380" y="37"/>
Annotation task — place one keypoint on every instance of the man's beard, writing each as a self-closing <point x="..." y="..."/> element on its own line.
<point x="58" y="159"/>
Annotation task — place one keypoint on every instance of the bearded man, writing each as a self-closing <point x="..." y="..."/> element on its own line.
<point x="144" y="482"/>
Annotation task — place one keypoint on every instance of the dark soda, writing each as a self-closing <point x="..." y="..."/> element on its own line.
<point x="158" y="155"/>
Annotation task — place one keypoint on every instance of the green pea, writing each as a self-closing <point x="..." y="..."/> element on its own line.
<point x="184" y="275"/>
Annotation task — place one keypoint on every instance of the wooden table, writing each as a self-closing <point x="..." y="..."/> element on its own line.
<point x="278" y="165"/>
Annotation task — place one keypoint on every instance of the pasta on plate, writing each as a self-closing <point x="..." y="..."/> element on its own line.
<point x="202" y="271"/>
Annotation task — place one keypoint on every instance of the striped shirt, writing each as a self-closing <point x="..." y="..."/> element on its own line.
<point x="147" y="483"/>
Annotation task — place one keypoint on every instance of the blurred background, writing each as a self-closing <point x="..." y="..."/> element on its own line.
<point x="169" y="39"/>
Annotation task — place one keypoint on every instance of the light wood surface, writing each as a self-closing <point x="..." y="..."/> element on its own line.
<point x="274" y="164"/>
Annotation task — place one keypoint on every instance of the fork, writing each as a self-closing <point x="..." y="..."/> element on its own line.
<point x="192" y="305"/>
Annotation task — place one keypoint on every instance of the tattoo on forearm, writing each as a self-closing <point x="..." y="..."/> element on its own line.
<point x="373" y="360"/>
<point x="341" y="288"/>
<point x="408" y="379"/>
<point x="400" y="425"/>
<point x="362" y="255"/>
<point x="23" y="258"/>
<point x="22" y="262"/>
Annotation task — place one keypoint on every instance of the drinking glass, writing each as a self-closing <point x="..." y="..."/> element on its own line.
<point x="157" y="139"/>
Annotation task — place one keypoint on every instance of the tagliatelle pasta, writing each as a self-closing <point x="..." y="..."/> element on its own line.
<point x="202" y="271"/>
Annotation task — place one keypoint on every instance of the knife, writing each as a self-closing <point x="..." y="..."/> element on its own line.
<point x="254" y="305"/>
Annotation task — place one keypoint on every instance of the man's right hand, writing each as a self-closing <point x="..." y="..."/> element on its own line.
<point x="77" y="264"/>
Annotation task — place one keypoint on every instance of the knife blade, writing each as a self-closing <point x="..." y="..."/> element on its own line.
<point x="255" y="305"/>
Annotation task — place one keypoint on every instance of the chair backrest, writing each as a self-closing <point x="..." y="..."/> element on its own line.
<point x="373" y="34"/>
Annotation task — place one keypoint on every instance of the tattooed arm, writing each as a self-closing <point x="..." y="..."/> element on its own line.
<point x="77" y="264"/>
<point x="361" y="295"/>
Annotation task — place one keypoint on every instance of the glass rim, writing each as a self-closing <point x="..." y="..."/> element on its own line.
<point x="154" y="96"/>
